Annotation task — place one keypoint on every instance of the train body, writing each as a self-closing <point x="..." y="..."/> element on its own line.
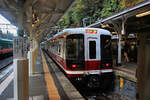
<point x="6" y="47"/>
<point x="82" y="52"/>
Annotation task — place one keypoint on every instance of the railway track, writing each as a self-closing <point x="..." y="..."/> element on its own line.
<point x="88" y="94"/>
<point x="5" y="62"/>
<point x="5" y="68"/>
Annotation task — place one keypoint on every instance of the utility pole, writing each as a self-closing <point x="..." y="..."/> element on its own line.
<point x="84" y="21"/>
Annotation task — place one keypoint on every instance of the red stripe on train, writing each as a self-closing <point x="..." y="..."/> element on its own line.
<point x="89" y="65"/>
<point x="6" y="50"/>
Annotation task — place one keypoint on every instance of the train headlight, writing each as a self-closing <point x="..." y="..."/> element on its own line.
<point x="74" y="66"/>
<point x="107" y="64"/>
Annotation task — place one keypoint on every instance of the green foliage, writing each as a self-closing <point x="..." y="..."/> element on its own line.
<point x="93" y="10"/>
<point x="130" y="3"/>
<point x="82" y="9"/>
<point x="111" y="7"/>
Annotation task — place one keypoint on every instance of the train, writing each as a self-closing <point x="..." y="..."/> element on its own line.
<point x="6" y="48"/>
<point x="83" y="53"/>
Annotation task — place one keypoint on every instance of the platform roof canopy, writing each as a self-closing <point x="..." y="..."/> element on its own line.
<point x="38" y="15"/>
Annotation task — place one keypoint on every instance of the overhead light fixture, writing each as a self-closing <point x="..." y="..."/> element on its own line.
<point x="104" y="26"/>
<point x="32" y="25"/>
<point x="114" y="32"/>
<point x="143" y="14"/>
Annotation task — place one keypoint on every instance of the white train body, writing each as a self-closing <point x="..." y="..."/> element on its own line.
<point x="82" y="51"/>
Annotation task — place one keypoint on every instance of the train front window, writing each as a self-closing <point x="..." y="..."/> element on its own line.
<point x="106" y="46"/>
<point x="75" y="46"/>
<point x="75" y="51"/>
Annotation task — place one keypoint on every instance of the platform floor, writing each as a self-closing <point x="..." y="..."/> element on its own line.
<point x="37" y="85"/>
<point x="125" y="81"/>
<point x="47" y="83"/>
<point x="39" y="82"/>
<point x="127" y="70"/>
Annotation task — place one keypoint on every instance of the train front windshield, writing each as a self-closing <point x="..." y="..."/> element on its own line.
<point x="105" y="46"/>
<point x="75" y="50"/>
<point x="106" y="55"/>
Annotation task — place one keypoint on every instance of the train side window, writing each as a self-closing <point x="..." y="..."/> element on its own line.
<point x="3" y="46"/>
<point x="92" y="49"/>
<point x="59" y="48"/>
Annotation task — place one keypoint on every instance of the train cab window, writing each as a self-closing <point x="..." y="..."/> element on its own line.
<point x="92" y="49"/>
<point x="75" y="51"/>
<point x="106" y="46"/>
<point x="75" y="46"/>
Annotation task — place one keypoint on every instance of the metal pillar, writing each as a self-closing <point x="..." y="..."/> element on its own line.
<point x="31" y="41"/>
<point x="21" y="80"/>
<point x="30" y="62"/>
<point x="119" y="27"/>
<point x="33" y="55"/>
<point x="84" y="21"/>
<point x="143" y="75"/>
<point x="119" y="49"/>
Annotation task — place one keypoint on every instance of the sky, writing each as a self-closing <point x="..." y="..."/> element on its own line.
<point x="11" y="28"/>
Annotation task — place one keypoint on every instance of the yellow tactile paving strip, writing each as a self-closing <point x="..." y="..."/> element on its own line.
<point x="52" y="91"/>
<point x="124" y="72"/>
<point x="125" y="69"/>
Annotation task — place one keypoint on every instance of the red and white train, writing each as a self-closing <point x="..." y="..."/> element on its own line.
<point x="82" y="52"/>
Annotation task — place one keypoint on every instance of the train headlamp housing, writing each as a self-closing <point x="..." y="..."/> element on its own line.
<point x="107" y="64"/>
<point x="74" y="66"/>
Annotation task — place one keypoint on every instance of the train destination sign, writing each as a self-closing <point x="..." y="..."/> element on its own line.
<point x="91" y="31"/>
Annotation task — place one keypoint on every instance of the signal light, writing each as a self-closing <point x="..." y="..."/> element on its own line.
<point x="107" y="65"/>
<point x="74" y="66"/>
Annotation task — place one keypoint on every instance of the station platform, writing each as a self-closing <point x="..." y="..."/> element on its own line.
<point x="37" y="84"/>
<point x="47" y="83"/>
<point x="127" y="70"/>
<point x="125" y="81"/>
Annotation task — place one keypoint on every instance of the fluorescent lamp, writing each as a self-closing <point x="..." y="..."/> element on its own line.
<point x="143" y="14"/>
<point x="114" y="32"/>
<point x="104" y="26"/>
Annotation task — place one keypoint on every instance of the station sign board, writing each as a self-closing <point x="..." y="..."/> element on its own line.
<point x="19" y="47"/>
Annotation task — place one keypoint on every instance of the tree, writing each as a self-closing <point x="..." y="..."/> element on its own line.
<point x="89" y="9"/>
<point x="130" y="3"/>
<point x="111" y="7"/>
<point x="93" y="10"/>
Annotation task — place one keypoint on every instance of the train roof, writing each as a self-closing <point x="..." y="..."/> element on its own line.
<point x="129" y="37"/>
<point x="6" y="40"/>
<point x="80" y="30"/>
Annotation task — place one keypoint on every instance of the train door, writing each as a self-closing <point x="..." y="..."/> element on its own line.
<point x="92" y="62"/>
